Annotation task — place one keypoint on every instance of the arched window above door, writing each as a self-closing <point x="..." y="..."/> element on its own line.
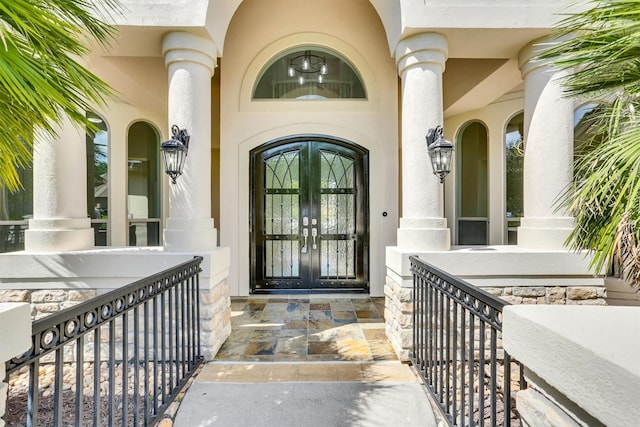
<point x="306" y="73"/>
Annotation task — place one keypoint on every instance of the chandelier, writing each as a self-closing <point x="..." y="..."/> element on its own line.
<point x="308" y="66"/>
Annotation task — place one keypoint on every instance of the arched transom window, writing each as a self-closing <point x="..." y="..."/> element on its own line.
<point x="309" y="73"/>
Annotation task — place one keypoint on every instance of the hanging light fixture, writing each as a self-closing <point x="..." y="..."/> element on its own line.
<point x="440" y="152"/>
<point x="307" y="67"/>
<point x="174" y="152"/>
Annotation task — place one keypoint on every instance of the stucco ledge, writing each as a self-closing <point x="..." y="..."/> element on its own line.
<point x="582" y="356"/>
<point x="15" y="329"/>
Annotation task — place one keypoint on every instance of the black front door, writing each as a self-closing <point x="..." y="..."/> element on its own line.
<point x="309" y="223"/>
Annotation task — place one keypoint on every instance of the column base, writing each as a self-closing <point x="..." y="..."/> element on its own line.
<point x="190" y="235"/>
<point x="424" y="234"/>
<point x="58" y="235"/>
<point x="544" y="233"/>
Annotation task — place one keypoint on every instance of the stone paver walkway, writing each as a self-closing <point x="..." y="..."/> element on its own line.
<point x="318" y="328"/>
<point x="305" y="362"/>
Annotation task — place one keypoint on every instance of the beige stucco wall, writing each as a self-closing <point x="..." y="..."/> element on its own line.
<point x="354" y="30"/>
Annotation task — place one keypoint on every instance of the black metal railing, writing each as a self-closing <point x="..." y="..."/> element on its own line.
<point x="118" y="359"/>
<point x="457" y="349"/>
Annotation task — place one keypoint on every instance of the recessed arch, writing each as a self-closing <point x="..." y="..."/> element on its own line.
<point x="311" y="41"/>
<point x="309" y="215"/>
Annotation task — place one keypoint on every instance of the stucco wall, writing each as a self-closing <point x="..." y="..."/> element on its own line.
<point x="354" y="30"/>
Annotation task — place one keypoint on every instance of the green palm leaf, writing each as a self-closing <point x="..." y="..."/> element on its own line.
<point x="602" y="47"/>
<point x="40" y="76"/>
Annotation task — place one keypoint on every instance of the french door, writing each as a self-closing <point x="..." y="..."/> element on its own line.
<point x="309" y="216"/>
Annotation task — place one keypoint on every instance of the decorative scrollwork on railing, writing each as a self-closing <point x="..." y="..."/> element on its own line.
<point x="52" y="332"/>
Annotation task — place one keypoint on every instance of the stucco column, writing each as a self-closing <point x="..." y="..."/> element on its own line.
<point x="421" y="62"/>
<point x="60" y="221"/>
<point x="548" y="159"/>
<point x="191" y="61"/>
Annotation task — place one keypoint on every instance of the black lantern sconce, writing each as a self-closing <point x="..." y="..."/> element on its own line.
<point x="174" y="152"/>
<point x="440" y="152"/>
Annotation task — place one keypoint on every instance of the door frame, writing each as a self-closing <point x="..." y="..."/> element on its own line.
<point x="363" y="218"/>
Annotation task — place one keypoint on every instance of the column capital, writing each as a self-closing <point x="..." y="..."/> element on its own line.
<point x="422" y="49"/>
<point x="527" y="57"/>
<point x="180" y="46"/>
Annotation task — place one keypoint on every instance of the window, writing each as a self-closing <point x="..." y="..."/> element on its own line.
<point x="15" y="211"/>
<point x="472" y="185"/>
<point x="98" y="179"/>
<point x="584" y="126"/>
<point x="514" y="167"/>
<point x="309" y="73"/>
<point x="143" y="196"/>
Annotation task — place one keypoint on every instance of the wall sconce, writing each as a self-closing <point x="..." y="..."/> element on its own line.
<point x="440" y="152"/>
<point x="174" y="152"/>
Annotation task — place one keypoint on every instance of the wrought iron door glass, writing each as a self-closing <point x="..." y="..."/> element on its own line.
<point x="309" y="216"/>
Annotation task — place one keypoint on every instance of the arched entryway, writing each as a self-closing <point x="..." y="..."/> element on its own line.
<point x="309" y="215"/>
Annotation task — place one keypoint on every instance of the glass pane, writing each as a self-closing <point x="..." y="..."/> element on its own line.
<point x="281" y="213"/>
<point x="336" y="171"/>
<point x="282" y="259"/>
<point x="309" y="74"/>
<point x="337" y="214"/>
<point x="98" y="179"/>
<point x="514" y="151"/>
<point x="586" y="127"/>
<point x="143" y="195"/>
<point x="472" y="232"/>
<point x="337" y="259"/>
<point x="473" y="171"/>
<point x="282" y="171"/>
<point x="15" y="211"/>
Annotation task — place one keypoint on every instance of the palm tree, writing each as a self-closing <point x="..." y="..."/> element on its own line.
<point x="40" y="76"/>
<point x="602" y="46"/>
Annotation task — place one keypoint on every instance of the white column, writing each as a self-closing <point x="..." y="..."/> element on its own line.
<point x="60" y="221"/>
<point x="548" y="159"/>
<point x="421" y="62"/>
<point x="191" y="61"/>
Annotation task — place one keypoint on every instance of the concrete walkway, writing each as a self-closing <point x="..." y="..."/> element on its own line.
<point x="305" y="395"/>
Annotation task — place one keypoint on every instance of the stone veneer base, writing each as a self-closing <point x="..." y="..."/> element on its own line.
<point x="518" y="276"/>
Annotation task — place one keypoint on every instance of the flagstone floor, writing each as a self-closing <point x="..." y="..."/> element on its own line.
<point x="317" y="328"/>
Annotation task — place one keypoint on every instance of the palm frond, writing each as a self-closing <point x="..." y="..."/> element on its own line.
<point x="40" y="77"/>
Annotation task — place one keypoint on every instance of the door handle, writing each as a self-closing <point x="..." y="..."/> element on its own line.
<point x="305" y="234"/>
<point x="314" y="234"/>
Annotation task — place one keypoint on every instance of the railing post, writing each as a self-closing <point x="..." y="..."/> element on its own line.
<point x="15" y="330"/>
